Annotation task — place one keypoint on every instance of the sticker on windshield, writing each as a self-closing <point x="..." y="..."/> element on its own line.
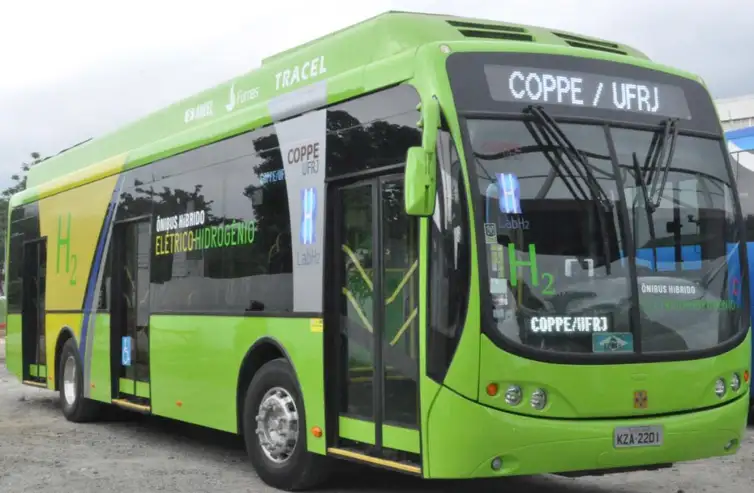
<point x="657" y="288"/>
<point x="497" y="260"/>
<point x="499" y="294"/>
<point x="573" y="325"/>
<point x="490" y="233"/>
<point x="613" y="342"/>
<point x="509" y="193"/>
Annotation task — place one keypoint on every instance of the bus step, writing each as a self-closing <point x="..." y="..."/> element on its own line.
<point x="131" y="406"/>
<point x="32" y="383"/>
<point x="388" y="464"/>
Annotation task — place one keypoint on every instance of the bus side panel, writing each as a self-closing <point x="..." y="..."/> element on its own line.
<point x="100" y="389"/>
<point x="13" y="345"/>
<point x="73" y="223"/>
<point x="54" y="325"/>
<point x="196" y="360"/>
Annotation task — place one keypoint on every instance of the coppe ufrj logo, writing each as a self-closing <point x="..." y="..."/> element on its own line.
<point x="308" y="215"/>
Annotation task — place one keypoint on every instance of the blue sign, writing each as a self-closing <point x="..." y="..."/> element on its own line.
<point x="613" y="342"/>
<point x="125" y="354"/>
<point x="509" y="193"/>
<point x="308" y="216"/>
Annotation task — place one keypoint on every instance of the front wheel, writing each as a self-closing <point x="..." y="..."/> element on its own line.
<point x="76" y="407"/>
<point x="274" y="426"/>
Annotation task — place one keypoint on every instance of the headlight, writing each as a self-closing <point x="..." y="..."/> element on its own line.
<point x="539" y="399"/>
<point x="720" y="387"/>
<point x="513" y="395"/>
<point x="735" y="382"/>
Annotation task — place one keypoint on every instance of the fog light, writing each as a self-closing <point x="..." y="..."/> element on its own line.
<point x="513" y="395"/>
<point x="539" y="399"/>
<point x="720" y="387"/>
<point x="445" y="49"/>
<point x="735" y="382"/>
<point x="730" y="445"/>
<point x="497" y="464"/>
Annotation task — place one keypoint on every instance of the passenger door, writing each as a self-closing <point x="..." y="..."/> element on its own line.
<point x="33" y="310"/>
<point x="129" y="320"/>
<point x="373" y="323"/>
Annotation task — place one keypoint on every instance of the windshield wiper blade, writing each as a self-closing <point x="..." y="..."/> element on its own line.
<point x="647" y="206"/>
<point x="670" y="129"/>
<point x="577" y="159"/>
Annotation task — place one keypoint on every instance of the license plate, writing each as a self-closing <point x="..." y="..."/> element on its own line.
<point x="638" y="436"/>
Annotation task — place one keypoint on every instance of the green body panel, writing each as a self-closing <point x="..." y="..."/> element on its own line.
<point x="535" y="446"/>
<point x="100" y="363"/>
<point x="578" y="391"/>
<point x="400" y="438"/>
<point x="13" y="345"/>
<point x="138" y="389"/>
<point x="356" y="429"/>
<point x="196" y="361"/>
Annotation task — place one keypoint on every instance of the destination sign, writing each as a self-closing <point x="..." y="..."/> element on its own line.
<point x="566" y="325"/>
<point x="587" y="90"/>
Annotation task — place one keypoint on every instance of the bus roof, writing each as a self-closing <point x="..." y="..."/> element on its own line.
<point x="245" y="102"/>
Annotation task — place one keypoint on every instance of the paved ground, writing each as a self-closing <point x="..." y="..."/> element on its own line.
<point x="41" y="452"/>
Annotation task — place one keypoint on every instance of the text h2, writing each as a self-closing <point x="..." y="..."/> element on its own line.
<point x="64" y="241"/>
<point x="534" y="275"/>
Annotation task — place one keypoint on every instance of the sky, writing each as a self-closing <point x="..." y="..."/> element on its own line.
<point x="81" y="68"/>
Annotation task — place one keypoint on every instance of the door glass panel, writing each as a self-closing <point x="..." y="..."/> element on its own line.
<point x="141" y="336"/>
<point x="357" y="296"/>
<point x="42" y="286"/>
<point x="400" y="342"/>
<point x="136" y="298"/>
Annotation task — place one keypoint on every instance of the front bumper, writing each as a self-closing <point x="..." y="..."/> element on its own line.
<point x="464" y="438"/>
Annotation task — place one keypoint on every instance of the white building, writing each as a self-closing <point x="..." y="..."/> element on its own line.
<point x="736" y="112"/>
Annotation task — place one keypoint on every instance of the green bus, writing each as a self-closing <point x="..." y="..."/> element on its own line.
<point x="445" y="246"/>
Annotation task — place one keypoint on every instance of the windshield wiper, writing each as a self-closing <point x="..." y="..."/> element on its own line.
<point x="552" y="131"/>
<point x="656" y="155"/>
<point x="578" y="160"/>
<point x="647" y="206"/>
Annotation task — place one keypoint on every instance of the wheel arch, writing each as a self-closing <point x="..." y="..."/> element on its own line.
<point x="264" y="350"/>
<point x="64" y="335"/>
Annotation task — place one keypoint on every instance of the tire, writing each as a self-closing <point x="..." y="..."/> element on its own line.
<point x="300" y="469"/>
<point x="75" y="406"/>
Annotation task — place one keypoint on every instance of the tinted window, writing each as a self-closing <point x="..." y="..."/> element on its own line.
<point x="221" y="233"/>
<point x="372" y="131"/>
<point x="449" y="269"/>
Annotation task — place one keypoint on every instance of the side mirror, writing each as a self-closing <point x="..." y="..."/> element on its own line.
<point x="420" y="184"/>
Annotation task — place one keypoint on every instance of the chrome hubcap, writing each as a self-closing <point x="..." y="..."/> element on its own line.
<point x="69" y="380"/>
<point x="277" y="425"/>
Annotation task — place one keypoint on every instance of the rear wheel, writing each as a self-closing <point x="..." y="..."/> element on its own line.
<point x="75" y="406"/>
<point x="274" y="426"/>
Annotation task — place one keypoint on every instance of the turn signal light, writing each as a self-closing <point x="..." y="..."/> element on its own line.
<point x="317" y="432"/>
<point x="492" y="389"/>
<point x="746" y="375"/>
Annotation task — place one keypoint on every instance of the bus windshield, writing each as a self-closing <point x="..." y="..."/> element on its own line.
<point x="559" y="227"/>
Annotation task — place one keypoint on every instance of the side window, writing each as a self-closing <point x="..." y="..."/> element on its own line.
<point x="259" y="266"/>
<point x="15" y="267"/>
<point x="449" y="268"/>
<point x="222" y="238"/>
<point x="372" y="131"/>
<point x="187" y="219"/>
